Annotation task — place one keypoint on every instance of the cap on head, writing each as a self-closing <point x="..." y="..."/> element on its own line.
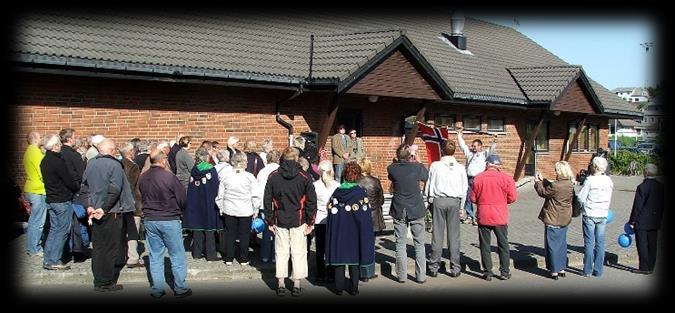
<point x="493" y="159"/>
<point x="353" y="131"/>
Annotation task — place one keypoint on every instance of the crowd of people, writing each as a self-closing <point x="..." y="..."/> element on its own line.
<point x="106" y="200"/>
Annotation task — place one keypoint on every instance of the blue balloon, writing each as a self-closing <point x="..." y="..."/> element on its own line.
<point x="628" y="230"/>
<point x="610" y="216"/>
<point x="625" y="240"/>
<point x="257" y="225"/>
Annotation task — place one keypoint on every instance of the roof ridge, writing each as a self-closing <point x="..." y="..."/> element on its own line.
<point x="400" y="31"/>
<point x="545" y="66"/>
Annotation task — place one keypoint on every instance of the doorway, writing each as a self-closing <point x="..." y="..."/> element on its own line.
<point x="352" y="119"/>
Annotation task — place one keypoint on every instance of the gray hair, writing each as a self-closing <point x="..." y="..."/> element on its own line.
<point x="299" y="142"/>
<point x="232" y="140"/>
<point x="223" y="155"/>
<point x="202" y="155"/>
<point x="66" y="134"/>
<point x="163" y="144"/>
<point x="273" y="156"/>
<point x="239" y="160"/>
<point x="143" y="146"/>
<point x="599" y="165"/>
<point x="126" y="148"/>
<point x="51" y="140"/>
<point x="266" y="145"/>
<point x="651" y="170"/>
<point x="304" y="163"/>
<point x="249" y="146"/>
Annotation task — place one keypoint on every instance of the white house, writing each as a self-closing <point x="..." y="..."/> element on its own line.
<point x="632" y="94"/>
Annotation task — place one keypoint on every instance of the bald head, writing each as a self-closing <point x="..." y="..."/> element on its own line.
<point x="106" y="147"/>
<point x="34" y="138"/>
<point x="651" y="170"/>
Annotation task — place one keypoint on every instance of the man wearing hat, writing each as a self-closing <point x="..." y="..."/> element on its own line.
<point x="356" y="152"/>
<point x="492" y="192"/>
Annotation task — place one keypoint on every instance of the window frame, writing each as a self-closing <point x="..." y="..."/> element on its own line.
<point x="530" y="128"/>
<point x="586" y="133"/>
<point x="437" y="117"/>
<point x="480" y="122"/>
<point x="502" y="129"/>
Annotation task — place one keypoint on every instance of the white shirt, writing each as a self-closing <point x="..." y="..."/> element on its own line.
<point x="239" y="194"/>
<point x="595" y="195"/>
<point x="264" y="174"/>
<point x="263" y="156"/>
<point x="475" y="161"/>
<point x="447" y="178"/>
<point x="223" y="169"/>
<point x="323" y="194"/>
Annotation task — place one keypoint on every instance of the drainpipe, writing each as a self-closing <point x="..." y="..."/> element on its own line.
<point x="283" y="123"/>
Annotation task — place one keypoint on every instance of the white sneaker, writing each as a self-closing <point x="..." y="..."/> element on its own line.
<point x="244" y="263"/>
<point x="228" y="263"/>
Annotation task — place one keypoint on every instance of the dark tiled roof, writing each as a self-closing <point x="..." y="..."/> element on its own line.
<point x="545" y="83"/>
<point x="278" y="45"/>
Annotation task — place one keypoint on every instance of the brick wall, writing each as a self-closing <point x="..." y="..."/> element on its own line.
<point x="122" y="109"/>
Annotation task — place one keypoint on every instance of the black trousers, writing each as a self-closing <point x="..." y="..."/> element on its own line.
<point x="645" y="240"/>
<point x="320" y="240"/>
<point x="204" y="242"/>
<point x="340" y="277"/>
<point x="107" y="234"/>
<point x="237" y="227"/>
<point x="485" y="238"/>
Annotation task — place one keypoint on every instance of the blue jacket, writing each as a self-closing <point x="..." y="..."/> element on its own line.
<point x="349" y="228"/>
<point x="107" y="186"/>
<point x="201" y="212"/>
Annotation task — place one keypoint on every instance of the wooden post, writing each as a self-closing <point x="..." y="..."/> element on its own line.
<point x="419" y="118"/>
<point x="528" y="147"/>
<point x="328" y="122"/>
<point x="575" y="138"/>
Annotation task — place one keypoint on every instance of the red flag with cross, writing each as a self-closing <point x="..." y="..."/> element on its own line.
<point x="433" y="137"/>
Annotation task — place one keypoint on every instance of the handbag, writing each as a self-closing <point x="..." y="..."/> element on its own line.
<point x="576" y="205"/>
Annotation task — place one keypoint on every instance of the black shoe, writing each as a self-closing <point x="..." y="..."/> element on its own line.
<point x="338" y="293"/>
<point x="641" y="272"/>
<point x="561" y="274"/>
<point x="296" y="292"/>
<point x="214" y="259"/>
<point x="432" y="274"/>
<point x="281" y="291"/>
<point x="505" y="276"/>
<point x="184" y="294"/>
<point x="454" y="275"/>
<point x="106" y="288"/>
<point x="554" y="277"/>
<point x="401" y="281"/>
<point x="487" y="277"/>
<point x="364" y="279"/>
<point x="353" y="292"/>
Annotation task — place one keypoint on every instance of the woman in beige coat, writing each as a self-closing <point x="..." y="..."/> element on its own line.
<point x="556" y="213"/>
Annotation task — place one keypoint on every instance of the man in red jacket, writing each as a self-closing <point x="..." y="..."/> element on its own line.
<point x="492" y="192"/>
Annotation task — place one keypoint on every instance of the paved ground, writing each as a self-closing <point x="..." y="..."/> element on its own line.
<point x="618" y="286"/>
<point x="525" y="237"/>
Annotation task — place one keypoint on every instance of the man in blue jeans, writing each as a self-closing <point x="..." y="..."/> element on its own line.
<point x="475" y="164"/>
<point x="163" y="204"/>
<point x="60" y="187"/>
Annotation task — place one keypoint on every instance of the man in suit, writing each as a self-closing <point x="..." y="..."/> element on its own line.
<point x="341" y="145"/>
<point x="645" y="218"/>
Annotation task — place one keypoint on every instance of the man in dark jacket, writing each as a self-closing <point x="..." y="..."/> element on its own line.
<point x="132" y="172"/>
<point x="109" y="192"/>
<point x="645" y="218"/>
<point x="60" y="187"/>
<point x="407" y="208"/>
<point x="75" y="165"/>
<point x="290" y="209"/>
<point x="163" y="204"/>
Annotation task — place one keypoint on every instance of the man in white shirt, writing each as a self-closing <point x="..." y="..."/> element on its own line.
<point x="446" y="191"/>
<point x="475" y="164"/>
<point x="267" y="241"/>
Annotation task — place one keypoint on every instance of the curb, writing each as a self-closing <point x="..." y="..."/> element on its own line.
<point x="237" y="272"/>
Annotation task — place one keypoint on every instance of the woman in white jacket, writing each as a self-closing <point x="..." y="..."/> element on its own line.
<point x="324" y="190"/>
<point x="239" y="199"/>
<point x="595" y="197"/>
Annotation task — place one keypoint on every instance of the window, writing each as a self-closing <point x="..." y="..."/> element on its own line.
<point x="588" y="138"/>
<point x="445" y="120"/>
<point x="471" y="122"/>
<point x="495" y="124"/>
<point x="541" y="142"/>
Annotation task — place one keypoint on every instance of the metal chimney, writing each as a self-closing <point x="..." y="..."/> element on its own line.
<point x="457" y="30"/>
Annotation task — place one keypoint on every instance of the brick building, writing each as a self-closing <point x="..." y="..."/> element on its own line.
<point x="156" y="75"/>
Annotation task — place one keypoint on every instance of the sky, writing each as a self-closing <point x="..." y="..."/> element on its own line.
<point x="608" y="49"/>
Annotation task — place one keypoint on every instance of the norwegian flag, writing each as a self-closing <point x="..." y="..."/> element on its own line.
<point x="433" y="139"/>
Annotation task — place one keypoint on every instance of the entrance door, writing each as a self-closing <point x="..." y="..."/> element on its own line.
<point x="352" y="119"/>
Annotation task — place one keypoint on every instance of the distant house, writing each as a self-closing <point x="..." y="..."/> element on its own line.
<point x="652" y="120"/>
<point x="632" y="94"/>
<point x="210" y="75"/>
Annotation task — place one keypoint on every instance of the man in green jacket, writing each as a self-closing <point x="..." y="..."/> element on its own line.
<point x="34" y="190"/>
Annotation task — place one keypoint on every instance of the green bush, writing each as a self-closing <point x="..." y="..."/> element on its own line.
<point x="621" y="163"/>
